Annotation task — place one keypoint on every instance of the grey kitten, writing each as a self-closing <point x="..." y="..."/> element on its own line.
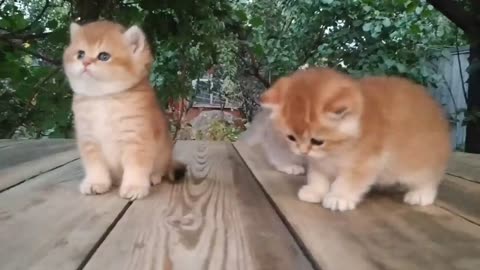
<point x="262" y="133"/>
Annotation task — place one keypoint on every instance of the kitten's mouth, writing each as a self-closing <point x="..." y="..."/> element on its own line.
<point x="87" y="72"/>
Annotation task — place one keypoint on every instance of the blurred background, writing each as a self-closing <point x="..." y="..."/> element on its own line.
<point x="214" y="57"/>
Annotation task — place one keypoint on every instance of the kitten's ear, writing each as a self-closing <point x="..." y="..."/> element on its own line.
<point x="135" y="38"/>
<point x="272" y="98"/>
<point x="74" y="29"/>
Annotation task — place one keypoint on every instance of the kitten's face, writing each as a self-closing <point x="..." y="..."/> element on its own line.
<point x="317" y="111"/>
<point x="103" y="58"/>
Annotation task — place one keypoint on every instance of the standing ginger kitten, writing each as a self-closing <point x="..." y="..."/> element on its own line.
<point x="120" y="129"/>
<point x="357" y="133"/>
<point x="275" y="146"/>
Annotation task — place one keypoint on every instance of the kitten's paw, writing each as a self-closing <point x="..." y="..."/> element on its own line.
<point x="292" y="169"/>
<point x="335" y="202"/>
<point x="89" y="187"/>
<point x="156" y="178"/>
<point x="134" y="192"/>
<point x="310" y="193"/>
<point x="421" y="197"/>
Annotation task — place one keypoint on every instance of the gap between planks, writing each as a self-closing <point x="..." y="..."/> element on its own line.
<point x="104" y="236"/>
<point x="283" y="218"/>
<point x="31" y="177"/>
<point x="381" y="234"/>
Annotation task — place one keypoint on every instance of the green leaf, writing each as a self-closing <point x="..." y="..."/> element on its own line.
<point x="415" y="29"/>
<point x="401" y="67"/>
<point x="386" y="22"/>
<point x="241" y="15"/>
<point x="327" y="1"/>
<point x="440" y="32"/>
<point x="258" y="49"/>
<point x="52" y="24"/>
<point x="367" y="27"/>
<point x="389" y="62"/>
<point x="270" y="59"/>
<point x="357" y="23"/>
<point x="169" y="54"/>
<point x="256" y="21"/>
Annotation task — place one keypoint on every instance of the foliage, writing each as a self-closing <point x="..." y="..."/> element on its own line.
<point x="252" y="43"/>
<point x="219" y="131"/>
<point x="359" y="36"/>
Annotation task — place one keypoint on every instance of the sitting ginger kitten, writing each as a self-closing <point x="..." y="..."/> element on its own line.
<point x="357" y="133"/>
<point x="120" y="129"/>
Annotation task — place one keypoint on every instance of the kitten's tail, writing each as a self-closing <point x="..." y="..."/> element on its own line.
<point x="177" y="171"/>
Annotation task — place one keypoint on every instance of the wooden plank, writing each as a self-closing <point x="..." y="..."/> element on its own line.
<point x="218" y="218"/>
<point x="382" y="233"/>
<point x="7" y="142"/>
<point x="24" y="160"/>
<point x="47" y="224"/>
<point x="465" y="165"/>
<point x="461" y="197"/>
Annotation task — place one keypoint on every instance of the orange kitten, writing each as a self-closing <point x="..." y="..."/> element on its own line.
<point x="274" y="145"/>
<point x="357" y="133"/>
<point x="121" y="131"/>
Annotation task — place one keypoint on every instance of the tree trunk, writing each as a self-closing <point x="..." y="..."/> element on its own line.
<point x="92" y="10"/>
<point x="472" y="141"/>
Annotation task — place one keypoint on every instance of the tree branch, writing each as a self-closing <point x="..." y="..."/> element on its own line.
<point x="20" y="47"/>
<point x="39" y="16"/>
<point x="30" y="103"/>
<point x="24" y="37"/>
<point x="459" y="16"/>
<point x="311" y="51"/>
<point x="254" y="69"/>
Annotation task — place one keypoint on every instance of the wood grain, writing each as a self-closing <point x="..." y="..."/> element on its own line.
<point x="47" y="224"/>
<point x="382" y="233"/>
<point x="8" y="142"/>
<point x="23" y="160"/>
<point x="465" y="165"/>
<point x="218" y="218"/>
<point x="461" y="197"/>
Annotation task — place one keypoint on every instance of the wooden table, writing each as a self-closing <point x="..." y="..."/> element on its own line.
<point x="232" y="212"/>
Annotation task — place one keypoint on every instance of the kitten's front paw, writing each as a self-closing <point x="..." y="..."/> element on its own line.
<point x="134" y="192"/>
<point x="421" y="197"/>
<point x="310" y="193"/>
<point x="292" y="169"/>
<point x="156" y="178"/>
<point x="335" y="202"/>
<point x="89" y="187"/>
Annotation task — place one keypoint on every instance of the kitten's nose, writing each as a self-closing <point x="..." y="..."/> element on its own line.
<point x="304" y="149"/>
<point x="87" y="62"/>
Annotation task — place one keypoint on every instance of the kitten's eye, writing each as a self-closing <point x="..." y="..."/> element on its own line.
<point x="80" y="54"/>
<point x="103" y="56"/>
<point x="316" y="142"/>
<point x="291" y="138"/>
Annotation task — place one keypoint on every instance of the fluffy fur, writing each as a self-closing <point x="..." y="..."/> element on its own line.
<point x="357" y="133"/>
<point x="120" y="129"/>
<point x="262" y="133"/>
